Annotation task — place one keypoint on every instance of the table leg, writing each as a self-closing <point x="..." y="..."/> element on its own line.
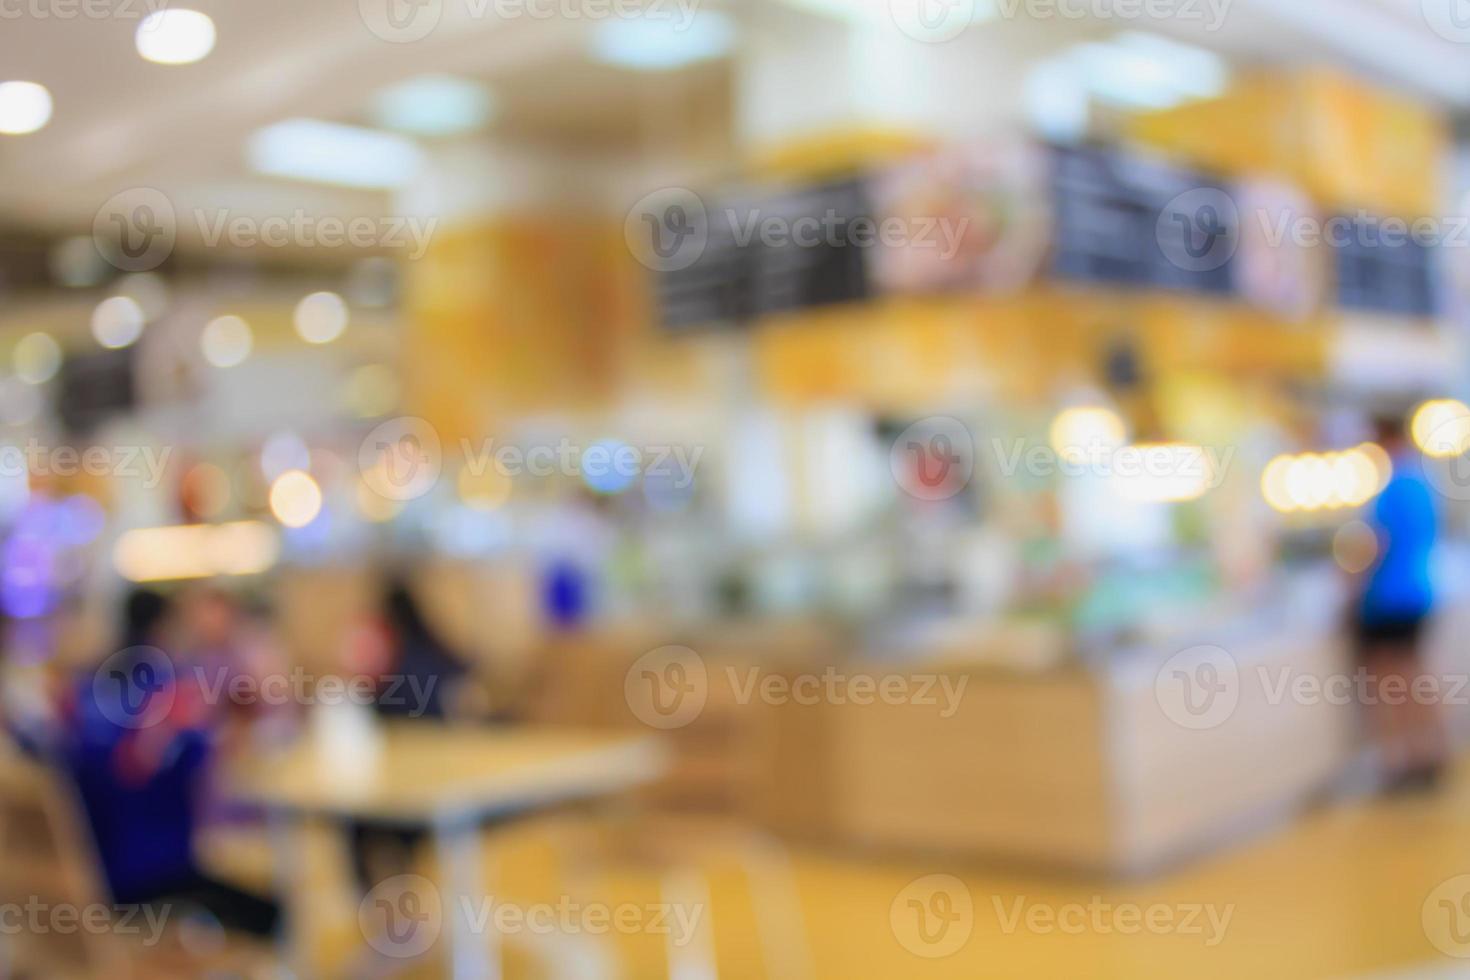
<point x="290" y="874"/>
<point x="474" y="949"/>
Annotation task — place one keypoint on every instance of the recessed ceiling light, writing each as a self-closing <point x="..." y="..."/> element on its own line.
<point x="226" y="341"/>
<point x="662" y="44"/>
<point x="434" y="105"/>
<point x="117" y="322"/>
<point x="331" y="153"/>
<point x="175" y="37"/>
<point x="24" y="107"/>
<point x="321" y="318"/>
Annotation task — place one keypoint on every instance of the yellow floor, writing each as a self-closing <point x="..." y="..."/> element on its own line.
<point x="1341" y="892"/>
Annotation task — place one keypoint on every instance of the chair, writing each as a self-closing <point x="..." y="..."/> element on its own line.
<point x="47" y="857"/>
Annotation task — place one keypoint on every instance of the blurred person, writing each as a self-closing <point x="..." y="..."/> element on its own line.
<point x="420" y="678"/>
<point x="137" y="738"/>
<point x="1396" y="600"/>
<point x="228" y="644"/>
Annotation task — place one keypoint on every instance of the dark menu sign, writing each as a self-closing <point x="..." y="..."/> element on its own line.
<point x="95" y="388"/>
<point x="814" y="248"/>
<point x="715" y="289"/>
<point x="1380" y="270"/>
<point x="1132" y="221"/>
<point x="765" y="255"/>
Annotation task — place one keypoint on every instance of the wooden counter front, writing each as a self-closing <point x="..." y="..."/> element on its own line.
<point x="1072" y="767"/>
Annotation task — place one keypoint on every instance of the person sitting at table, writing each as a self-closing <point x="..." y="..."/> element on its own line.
<point x="421" y="679"/>
<point x="136" y="736"/>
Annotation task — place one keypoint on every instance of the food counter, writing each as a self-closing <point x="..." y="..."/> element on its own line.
<point x="1088" y="765"/>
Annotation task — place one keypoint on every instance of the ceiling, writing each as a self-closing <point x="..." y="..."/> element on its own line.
<point x="121" y="122"/>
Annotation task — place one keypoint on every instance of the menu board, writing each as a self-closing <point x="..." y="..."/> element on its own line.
<point x="95" y="388"/>
<point x="810" y="248"/>
<point x="772" y="254"/>
<point x="972" y="217"/>
<point x="714" y="290"/>
<point x="1132" y="221"/>
<point x="1394" y="276"/>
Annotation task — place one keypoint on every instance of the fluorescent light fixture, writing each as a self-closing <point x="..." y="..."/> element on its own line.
<point x="24" y="107"/>
<point x="175" y="37"/>
<point x="661" y="44"/>
<point x="434" y="105"/>
<point x="1056" y="100"/>
<point x="1144" y="71"/>
<point x="158" y="554"/>
<point x="331" y="153"/>
<point x="878" y="12"/>
<point x="1191" y="70"/>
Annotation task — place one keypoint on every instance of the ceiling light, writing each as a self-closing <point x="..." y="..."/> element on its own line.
<point x="321" y="318"/>
<point x="226" y="341"/>
<point x="331" y="153"/>
<point x="175" y="37"/>
<point x="157" y="554"/>
<point x="434" y="105"/>
<point x="24" y="107"/>
<point x="661" y="44"/>
<point x="37" y="358"/>
<point x="295" y="499"/>
<point x="117" y="322"/>
<point x="1144" y="71"/>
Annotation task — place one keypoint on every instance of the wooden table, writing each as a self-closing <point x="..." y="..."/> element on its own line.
<point x="449" y="781"/>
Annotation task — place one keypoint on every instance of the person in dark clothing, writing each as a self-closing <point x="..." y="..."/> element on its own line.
<point x="420" y="679"/>
<point x="430" y="678"/>
<point x="137" y="739"/>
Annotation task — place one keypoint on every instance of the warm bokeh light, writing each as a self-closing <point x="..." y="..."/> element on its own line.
<point x="295" y="499"/>
<point x="117" y="322"/>
<point x="36" y="358"/>
<point x="1162" y="473"/>
<point x="1325" y="481"/>
<point x="226" y="341"/>
<point x="187" y="551"/>
<point x="175" y="37"/>
<point x="1441" y="428"/>
<point x="321" y="318"/>
<point x="25" y="107"/>
<point x="1086" y="431"/>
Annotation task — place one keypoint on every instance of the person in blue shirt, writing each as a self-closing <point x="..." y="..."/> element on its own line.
<point x="1396" y="602"/>
<point x="137" y="739"/>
